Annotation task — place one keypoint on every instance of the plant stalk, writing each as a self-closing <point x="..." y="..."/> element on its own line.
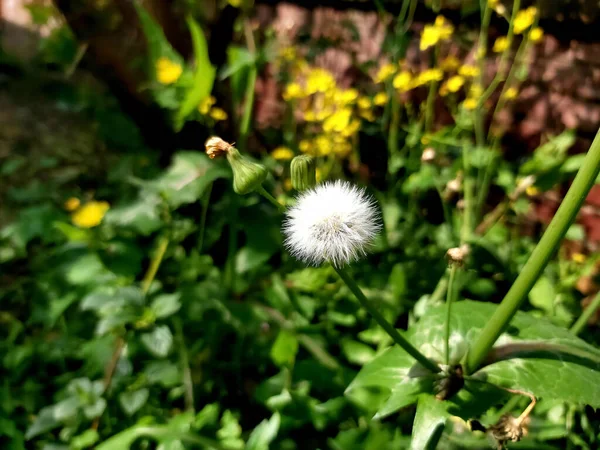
<point x="588" y="312"/>
<point x="449" y="300"/>
<point x="538" y="260"/>
<point x="394" y="334"/>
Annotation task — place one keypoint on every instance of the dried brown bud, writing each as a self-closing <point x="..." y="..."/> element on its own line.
<point x="215" y="147"/>
<point x="458" y="255"/>
<point x="428" y="155"/>
<point x="509" y="428"/>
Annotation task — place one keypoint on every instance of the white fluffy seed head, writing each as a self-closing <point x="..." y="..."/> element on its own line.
<point x="334" y="222"/>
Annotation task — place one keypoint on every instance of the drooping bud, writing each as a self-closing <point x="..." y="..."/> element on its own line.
<point x="458" y="255"/>
<point x="303" y="172"/>
<point x="248" y="176"/>
<point x="215" y="147"/>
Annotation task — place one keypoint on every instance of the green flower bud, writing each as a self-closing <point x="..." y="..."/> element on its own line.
<point x="304" y="172"/>
<point x="247" y="175"/>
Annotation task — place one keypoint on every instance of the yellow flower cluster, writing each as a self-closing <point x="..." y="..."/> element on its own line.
<point x="452" y="85"/>
<point x="500" y="44"/>
<point x="536" y="34"/>
<point x="525" y="18"/>
<point x="167" y="71"/>
<point x="207" y="108"/>
<point x="89" y="215"/>
<point x="282" y="153"/>
<point x="441" y="30"/>
<point x="332" y="114"/>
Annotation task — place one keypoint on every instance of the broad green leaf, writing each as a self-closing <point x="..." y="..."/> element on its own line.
<point x="357" y="352"/>
<point x="187" y="177"/>
<point x="142" y="215"/>
<point x="132" y="401"/>
<point x="204" y="75"/>
<point x="159" y="341"/>
<point x="284" y="348"/>
<point x="166" y="305"/>
<point x="264" y="433"/>
<point x="85" y="440"/>
<point x="429" y="423"/>
<point x="542" y="295"/>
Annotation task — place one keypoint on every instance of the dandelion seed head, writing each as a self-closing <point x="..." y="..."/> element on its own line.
<point x="334" y="222"/>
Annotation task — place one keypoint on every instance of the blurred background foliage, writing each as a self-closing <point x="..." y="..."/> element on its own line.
<point x="144" y="304"/>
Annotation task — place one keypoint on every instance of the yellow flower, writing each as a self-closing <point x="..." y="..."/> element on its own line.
<point x="532" y="191"/>
<point x="428" y="76"/>
<point x="524" y="19"/>
<point x="449" y="63"/>
<point x="235" y="3"/>
<point x="287" y="184"/>
<point x="346" y="96"/>
<point x="72" y="204"/>
<point x="365" y="102"/>
<point x="492" y="3"/>
<point x="402" y="81"/>
<point x="288" y="53"/>
<point x="351" y="129"/>
<point x="282" y="153"/>
<point x="218" y="114"/>
<point x="536" y="34"/>
<point x="511" y="93"/>
<point x="319" y="80"/>
<point x="367" y="114"/>
<point x="380" y="99"/>
<point x="318" y="175"/>
<point x="292" y="91"/>
<point x="323" y="145"/>
<point x="500" y="44"/>
<point x="455" y="83"/>
<point x="469" y="71"/>
<point x="441" y="30"/>
<point x="475" y="91"/>
<point x="338" y="121"/>
<point x="579" y="258"/>
<point x="305" y="146"/>
<point x="206" y="104"/>
<point x="90" y="214"/>
<point x="167" y="71"/>
<point x="470" y="104"/>
<point x="385" y="72"/>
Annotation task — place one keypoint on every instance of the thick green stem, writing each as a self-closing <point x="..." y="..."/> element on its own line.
<point x="154" y="264"/>
<point x="539" y="258"/>
<point x="449" y="299"/>
<point x="394" y="334"/>
<point x="588" y="312"/>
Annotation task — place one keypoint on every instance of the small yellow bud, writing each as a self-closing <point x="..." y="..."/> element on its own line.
<point x="72" y="204"/>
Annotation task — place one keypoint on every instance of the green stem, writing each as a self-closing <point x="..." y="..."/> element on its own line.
<point x="205" y="203"/>
<point x="394" y="123"/>
<point x="154" y="264"/>
<point x="262" y="191"/>
<point x="394" y="334"/>
<point x="229" y="272"/>
<point x="539" y="258"/>
<point x="185" y="366"/>
<point x="429" y="111"/>
<point x="478" y="115"/>
<point x="588" y="312"/>
<point x="449" y="300"/>
<point x="468" y="186"/>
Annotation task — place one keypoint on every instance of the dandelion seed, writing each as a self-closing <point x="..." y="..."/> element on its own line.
<point x="335" y="222"/>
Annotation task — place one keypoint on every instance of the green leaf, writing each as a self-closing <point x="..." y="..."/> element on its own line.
<point x="132" y="401"/>
<point x="542" y="295"/>
<point x="84" y="440"/>
<point x="166" y="305"/>
<point x="429" y="423"/>
<point x="204" y="75"/>
<point x="187" y="178"/>
<point x="284" y="348"/>
<point x="264" y="433"/>
<point x="141" y="215"/>
<point x="159" y="341"/>
<point x="357" y="352"/>
<point x="158" y="45"/>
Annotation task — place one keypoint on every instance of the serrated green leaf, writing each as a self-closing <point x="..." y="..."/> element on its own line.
<point x="204" y="75"/>
<point x="429" y="423"/>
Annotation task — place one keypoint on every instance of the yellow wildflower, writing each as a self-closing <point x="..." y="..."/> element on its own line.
<point x="470" y="104"/>
<point x="287" y="53"/>
<point x="511" y="93"/>
<point x="469" y="71"/>
<point x="292" y="91"/>
<point x="455" y="83"/>
<point x="235" y="3"/>
<point x="380" y="99"/>
<point x="218" y="114"/>
<point x="385" y="72"/>
<point x="206" y="104"/>
<point x="310" y="116"/>
<point x="476" y="91"/>
<point x="536" y="34"/>
<point x="365" y="102"/>
<point x="367" y="114"/>
<point x="72" y="204"/>
<point x="305" y="146"/>
<point x="449" y="63"/>
<point x="428" y="76"/>
<point x="500" y="44"/>
<point x="282" y="153"/>
<point x="441" y="30"/>
<point x="524" y="19"/>
<point x="402" y="81"/>
<point x="532" y="191"/>
<point x="343" y="148"/>
<point x="319" y="80"/>
<point x="338" y="121"/>
<point x="351" y="129"/>
<point x="346" y="96"/>
<point x="167" y="71"/>
<point x="323" y="145"/>
<point x="579" y="258"/>
<point x="90" y="214"/>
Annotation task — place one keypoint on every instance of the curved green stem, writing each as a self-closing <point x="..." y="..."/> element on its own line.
<point x="262" y="191"/>
<point x="449" y="299"/>
<point x="394" y="334"/>
<point x="155" y="263"/>
<point x="580" y="324"/>
<point x="539" y="258"/>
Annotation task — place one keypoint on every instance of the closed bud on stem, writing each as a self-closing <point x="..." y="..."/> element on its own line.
<point x="248" y="176"/>
<point x="303" y="172"/>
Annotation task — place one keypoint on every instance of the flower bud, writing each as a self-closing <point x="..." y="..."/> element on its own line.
<point x="215" y="147"/>
<point x="304" y="172"/>
<point x="247" y="175"/>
